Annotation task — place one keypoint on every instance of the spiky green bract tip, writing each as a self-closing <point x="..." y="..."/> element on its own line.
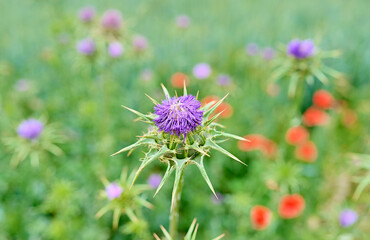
<point x="178" y="152"/>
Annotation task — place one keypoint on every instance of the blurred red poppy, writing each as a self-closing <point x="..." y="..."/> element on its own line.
<point x="296" y="135"/>
<point x="260" y="217"/>
<point x="178" y="79"/>
<point x="306" y="152"/>
<point x="315" y="117"/>
<point x="258" y="142"/>
<point x="291" y="206"/>
<point x="226" y="109"/>
<point x="323" y="99"/>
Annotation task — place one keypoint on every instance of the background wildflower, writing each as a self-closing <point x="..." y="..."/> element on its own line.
<point x="30" y="129"/>
<point x="113" y="191"/>
<point x="223" y="80"/>
<point x="112" y="19"/>
<point x="115" y="49"/>
<point x="87" y="14"/>
<point x="315" y="117"/>
<point x="323" y="99"/>
<point x="260" y="217"/>
<point x="154" y="180"/>
<point x="86" y="46"/>
<point x="202" y="71"/>
<point x="296" y="135"/>
<point x="179" y="79"/>
<point x="291" y="206"/>
<point x="140" y="43"/>
<point x="348" y="217"/>
<point x="301" y="49"/>
<point x="306" y="151"/>
<point x="183" y="21"/>
<point x="252" y="49"/>
<point x="268" y="53"/>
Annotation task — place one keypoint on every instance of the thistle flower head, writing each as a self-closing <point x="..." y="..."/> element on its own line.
<point x="113" y="191"/>
<point x="112" y="19"/>
<point x="178" y="115"/>
<point x="301" y="49"/>
<point x="87" y="14"/>
<point x="86" y="46"/>
<point x="348" y="217"/>
<point x="30" y="129"/>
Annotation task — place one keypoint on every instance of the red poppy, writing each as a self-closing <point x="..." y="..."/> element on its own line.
<point x="306" y="152"/>
<point x="315" y="117"/>
<point x="178" y="79"/>
<point x="260" y="217"/>
<point x="225" y="109"/>
<point x="296" y="135"/>
<point x="258" y="142"/>
<point x="291" y="206"/>
<point x="323" y="99"/>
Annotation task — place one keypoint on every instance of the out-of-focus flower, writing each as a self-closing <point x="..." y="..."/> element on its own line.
<point x="268" y="53"/>
<point x="223" y="80"/>
<point x="323" y="99"/>
<point x="220" y="198"/>
<point x="296" y="135"/>
<point x="273" y="89"/>
<point x="115" y="49"/>
<point x="260" y="217"/>
<point x="306" y="152"/>
<point x="154" y="180"/>
<point x="113" y="191"/>
<point x="252" y="49"/>
<point x="86" y="46"/>
<point x="301" y="49"/>
<point x="315" y="117"/>
<point x="146" y="75"/>
<point x="202" y="71"/>
<point x="183" y="21"/>
<point x="112" y="19"/>
<point x="349" y="117"/>
<point x="140" y="43"/>
<point x="348" y="217"/>
<point x="87" y="14"/>
<point x="179" y="79"/>
<point x="22" y="85"/>
<point x="178" y="115"/>
<point x="30" y="129"/>
<point x="291" y="206"/>
<point x="225" y="109"/>
<point x="258" y="142"/>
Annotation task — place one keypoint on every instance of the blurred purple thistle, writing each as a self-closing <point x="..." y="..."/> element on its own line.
<point x="112" y="19"/>
<point x="268" y="53"/>
<point x="115" y="49"/>
<point x="140" y="43"/>
<point x="252" y="49"/>
<point x="178" y="115"/>
<point x="202" y="71"/>
<point x="146" y="75"/>
<point x="87" y="14"/>
<point x="183" y="21"/>
<point x="348" y="217"/>
<point x="154" y="180"/>
<point x="30" y="129"/>
<point x="223" y="80"/>
<point x="113" y="191"/>
<point x="86" y="46"/>
<point x="301" y="49"/>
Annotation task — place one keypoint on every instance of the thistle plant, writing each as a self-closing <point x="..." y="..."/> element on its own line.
<point x="303" y="62"/>
<point x="181" y="133"/>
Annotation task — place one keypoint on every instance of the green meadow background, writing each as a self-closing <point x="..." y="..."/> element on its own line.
<point x="58" y="199"/>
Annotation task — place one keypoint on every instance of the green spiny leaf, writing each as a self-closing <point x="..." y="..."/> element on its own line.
<point x="180" y="165"/>
<point x="202" y="170"/>
<point x="140" y="142"/>
<point x="165" y="177"/>
<point x="165" y="91"/>
<point x="216" y="147"/>
<point x="207" y="113"/>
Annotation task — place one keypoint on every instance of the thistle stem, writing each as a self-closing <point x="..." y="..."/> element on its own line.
<point x="174" y="215"/>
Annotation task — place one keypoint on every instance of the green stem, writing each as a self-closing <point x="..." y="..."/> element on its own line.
<point x="174" y="215"/>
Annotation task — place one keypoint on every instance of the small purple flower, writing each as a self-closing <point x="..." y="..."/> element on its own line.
<point x="140" y="43"/>
<point x="268" y="53"/>
<point x="202" y="70"/>
<point x="252" y="49"/>
<point x="146" y="75"/>
<point x="22" y="85"/>
<point x="115" y="49"/>
<point x="113" y="191"/>
<point x="112" y="19"/>
<point x="87" y="14"/>
<point x="301" y="49"/>
<point x="178" y="115"/>
<point x="30" y="129"/>
<point x="223" y="80"/>
<point x="183" y="21"/>
<point x="86" y="46"/>
<point x="154" y="180"/>
<point x="220" y="198"/>
<point x="348" y="217"/>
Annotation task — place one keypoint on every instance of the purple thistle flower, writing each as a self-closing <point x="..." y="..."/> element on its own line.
<point x="112" y="19"/>
<point x="87" y="14"/>
<point x="348" y="217"/>
<point x="301" y="49"/>
<point x="115" y="49"/>
<point x="183" y="21"/>
<point x="140" y="43"/>
<point x="113" y="191"/>
<point x="178" y="115"/>
<point x="30" y="129"/>
<point x="223" y="80"/>
<point x="154" y="180"/>
<point x="252" y="49"/>
<point x="86" y="46"/>
<point x="202" y="70"/>
<point x="268" y="53"/>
